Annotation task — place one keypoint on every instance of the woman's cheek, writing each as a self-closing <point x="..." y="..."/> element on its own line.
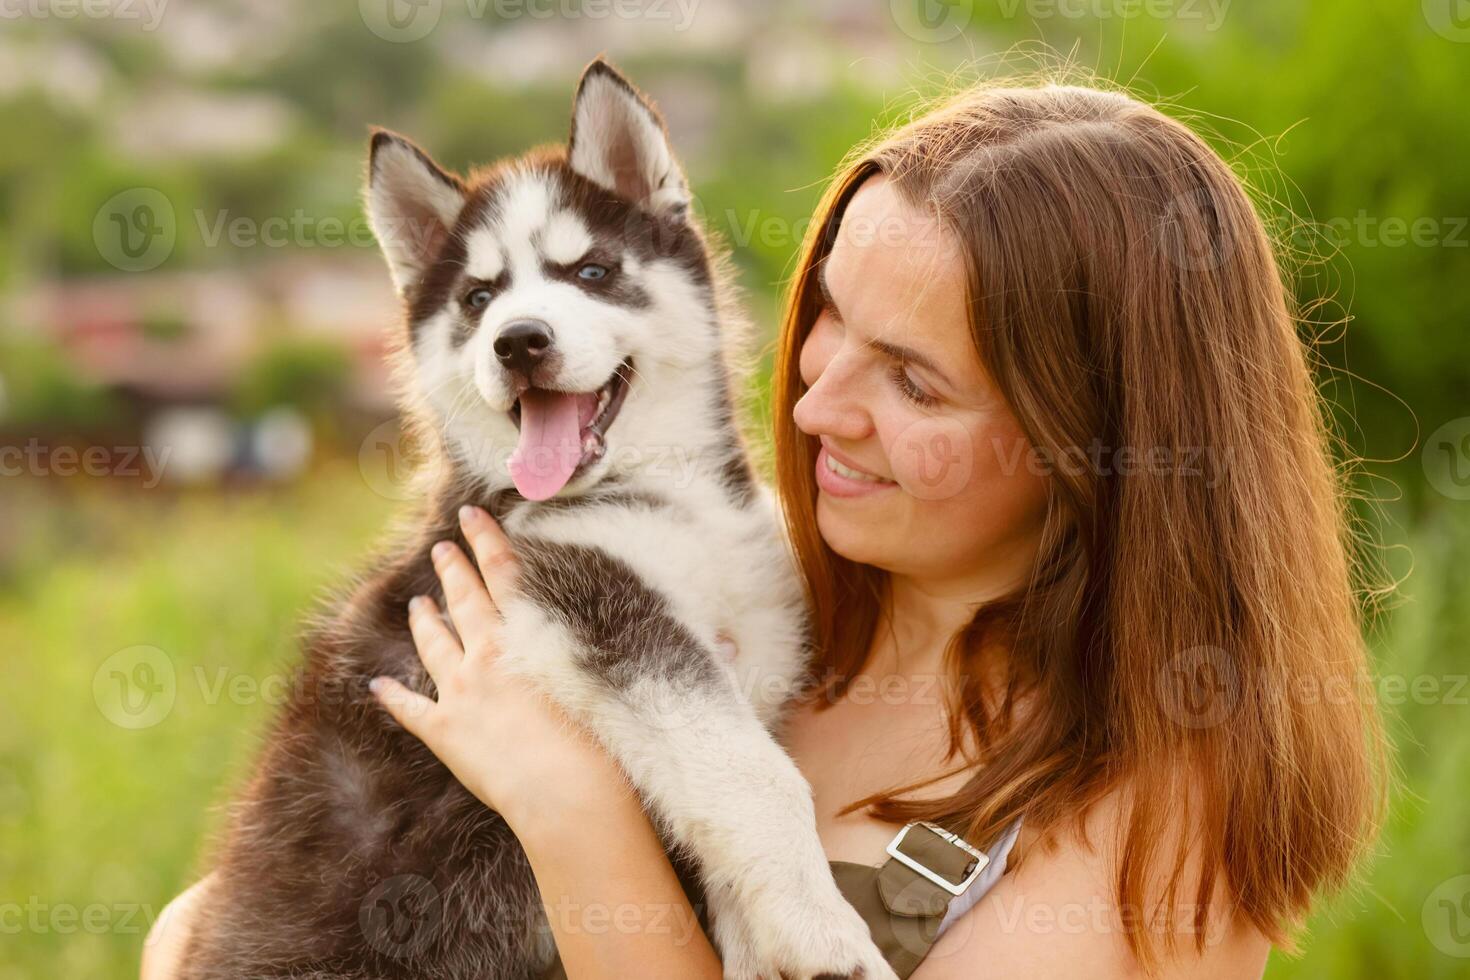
<point x="933" y="458"/>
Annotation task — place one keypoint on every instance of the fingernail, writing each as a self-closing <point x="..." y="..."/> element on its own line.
<point x="417" y="603"/>
<point x="375" y="685"/>
<point x="468" y="514"/>
<point x="442" y="550"/>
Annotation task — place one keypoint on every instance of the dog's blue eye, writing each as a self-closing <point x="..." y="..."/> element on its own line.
<point x="592" y="271"/>
<point x="477" y="298"/>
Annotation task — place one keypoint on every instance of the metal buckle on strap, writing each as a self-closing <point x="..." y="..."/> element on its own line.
<point x="981" y="858"/>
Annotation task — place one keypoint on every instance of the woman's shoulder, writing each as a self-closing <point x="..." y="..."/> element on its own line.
<point x="1057" y="911"/>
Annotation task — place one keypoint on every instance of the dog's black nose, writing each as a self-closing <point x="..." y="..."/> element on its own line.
<point x="522" y="345"/>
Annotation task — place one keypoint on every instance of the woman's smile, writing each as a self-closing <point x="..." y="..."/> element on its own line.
<point x="840" y="477"/>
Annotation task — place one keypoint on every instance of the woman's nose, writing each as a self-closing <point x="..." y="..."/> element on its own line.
<point x="831" y="406"/>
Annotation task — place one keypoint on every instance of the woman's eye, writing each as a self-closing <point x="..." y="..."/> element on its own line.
<point x="477" y="298"/>
<point x="908" y="388"/>
<point x="592" y="272"/>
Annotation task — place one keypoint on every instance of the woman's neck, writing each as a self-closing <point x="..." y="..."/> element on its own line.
<point x="921" y="616"/>
<point x="915" y="626"/>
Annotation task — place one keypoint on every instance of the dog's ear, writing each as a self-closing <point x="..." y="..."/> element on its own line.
<point x="412" y="204"/>
<point x="619" y="142"/>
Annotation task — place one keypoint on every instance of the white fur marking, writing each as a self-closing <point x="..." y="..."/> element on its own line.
<point x="483" y="259"/>
<point x="527" y="205"/>
<point x="565" y="239"/>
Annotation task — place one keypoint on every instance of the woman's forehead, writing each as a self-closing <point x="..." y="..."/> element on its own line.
<point x="894" y="267"/>
<point x="882" y="232"/>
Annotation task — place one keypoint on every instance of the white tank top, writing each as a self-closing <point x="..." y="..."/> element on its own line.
<point x="987" y="879"/>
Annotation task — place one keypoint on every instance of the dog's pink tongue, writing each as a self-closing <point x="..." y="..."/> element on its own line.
<point x="550" y="446"/>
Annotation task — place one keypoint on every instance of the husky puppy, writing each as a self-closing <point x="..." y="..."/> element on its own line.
<point x="563" y="353"/>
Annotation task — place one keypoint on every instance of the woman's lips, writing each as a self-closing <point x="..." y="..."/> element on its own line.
<point x="840" y="484"/>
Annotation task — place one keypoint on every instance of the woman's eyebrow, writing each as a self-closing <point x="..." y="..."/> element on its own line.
<point x="896" y="351"/>
<point x="910" y="356"/>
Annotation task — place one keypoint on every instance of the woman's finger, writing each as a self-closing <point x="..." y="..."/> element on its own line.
<point x="493" y="553"/>
<point x="470" y="608"/>
<point x="437" y="647"/>
<point x="409" y="708"/>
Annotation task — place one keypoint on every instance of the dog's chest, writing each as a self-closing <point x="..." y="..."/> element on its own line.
<point x="723" y="571"/>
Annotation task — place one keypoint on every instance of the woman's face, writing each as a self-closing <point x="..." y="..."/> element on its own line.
<point x="923" y="471"/>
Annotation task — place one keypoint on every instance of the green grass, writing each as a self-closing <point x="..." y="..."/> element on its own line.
<point x="103" y="820"/>
<point x="101" y="824"/>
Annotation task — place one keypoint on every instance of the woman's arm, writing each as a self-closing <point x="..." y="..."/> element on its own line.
<point x="615" y="905"/>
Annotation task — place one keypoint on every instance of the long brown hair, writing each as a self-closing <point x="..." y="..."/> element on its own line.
<point x="1190" y="637"/>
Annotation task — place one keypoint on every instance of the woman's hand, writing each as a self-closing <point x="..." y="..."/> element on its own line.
<point x="163" y="950"/>
<point x="506" y="742"/>
<point x="595" y="855"/>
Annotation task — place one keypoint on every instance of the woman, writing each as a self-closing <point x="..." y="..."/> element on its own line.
<point x="1060" y="486"/>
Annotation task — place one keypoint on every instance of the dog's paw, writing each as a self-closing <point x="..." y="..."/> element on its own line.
<point x="799" y="940"/>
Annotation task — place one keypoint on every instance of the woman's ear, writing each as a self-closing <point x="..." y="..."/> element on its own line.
<point x="412" y="205"/>
<point x="619" y="142"/>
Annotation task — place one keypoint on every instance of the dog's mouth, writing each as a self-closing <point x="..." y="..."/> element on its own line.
<point x="562" y="432"/>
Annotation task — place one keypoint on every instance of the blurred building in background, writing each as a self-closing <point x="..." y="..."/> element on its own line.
<point x="225" y="140"/>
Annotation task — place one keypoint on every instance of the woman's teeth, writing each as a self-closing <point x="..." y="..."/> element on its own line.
<point x="851" y="473"/>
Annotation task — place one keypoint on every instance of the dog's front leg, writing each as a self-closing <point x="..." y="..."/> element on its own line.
<point x="606" y="646"/>
<point x="719" y="786"/>
<point x="723" y="788"/>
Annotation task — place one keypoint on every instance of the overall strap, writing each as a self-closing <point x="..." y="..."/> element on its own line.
<point x="928" y="866"/>
<point x="905" y="901"/>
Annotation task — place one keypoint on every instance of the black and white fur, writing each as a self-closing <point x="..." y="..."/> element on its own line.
<point x="659" y="553"/>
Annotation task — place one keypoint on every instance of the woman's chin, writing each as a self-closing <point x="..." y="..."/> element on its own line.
<point x="856" y="533"/>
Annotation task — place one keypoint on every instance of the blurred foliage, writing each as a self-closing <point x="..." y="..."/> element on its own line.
<point x="1344" y="119"/>
<point x="306" y="375"/>
<point x="43" y="392"/>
